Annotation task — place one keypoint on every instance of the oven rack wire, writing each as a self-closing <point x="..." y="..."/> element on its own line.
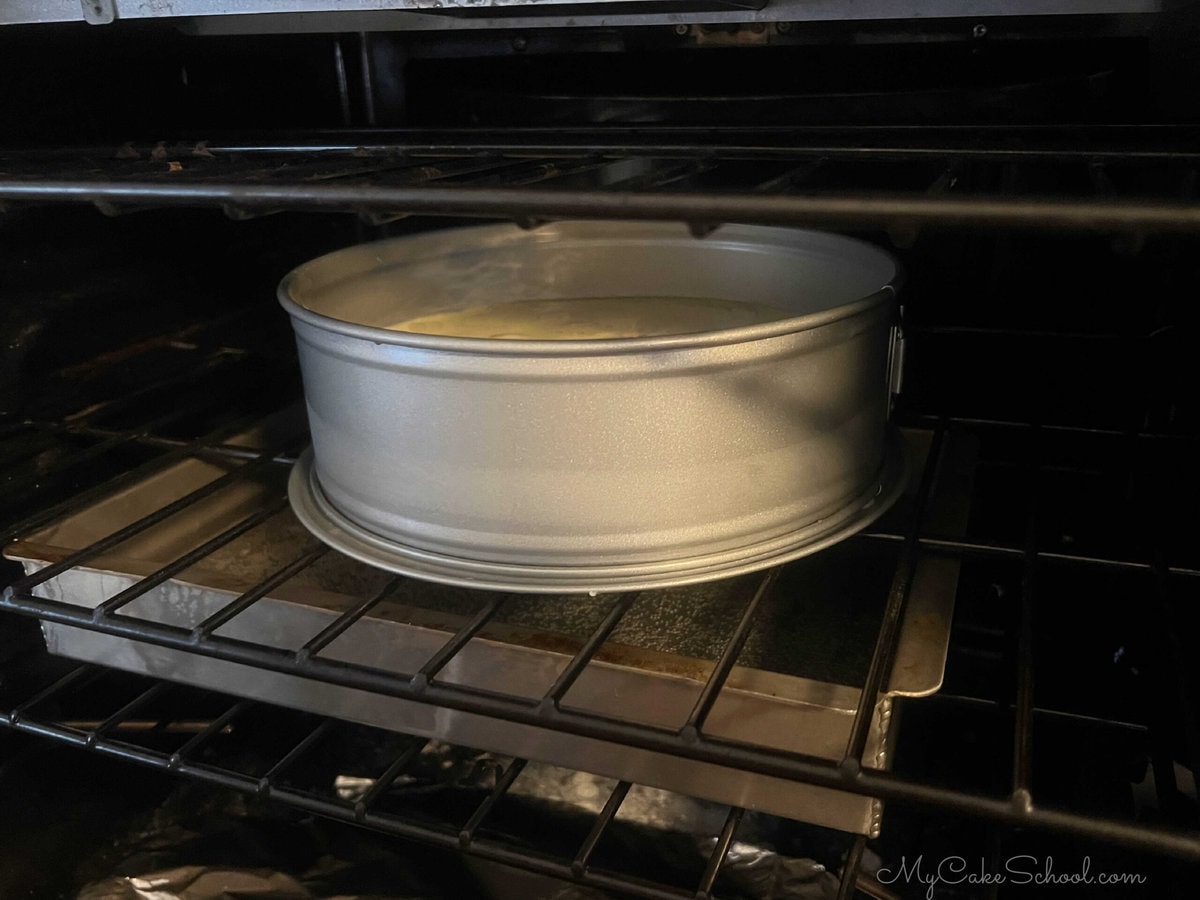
<point x="192" y="760"/>
<point x="1019" y="807"/>
<point x="1107" y="178"/>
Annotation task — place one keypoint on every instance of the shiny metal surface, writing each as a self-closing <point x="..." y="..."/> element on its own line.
<point x="234" y="16"/>
<point x="323" y="519"/>
<point x="699" y="452"/>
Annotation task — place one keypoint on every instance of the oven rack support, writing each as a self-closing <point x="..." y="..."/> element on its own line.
<point x="1019" y="809"/>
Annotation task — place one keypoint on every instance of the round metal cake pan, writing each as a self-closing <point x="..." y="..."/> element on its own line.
<point x="626" y="457"/>
<point x="319" y="516"/>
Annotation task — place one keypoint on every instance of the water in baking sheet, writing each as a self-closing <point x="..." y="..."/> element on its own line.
<point x="593" y="318"/>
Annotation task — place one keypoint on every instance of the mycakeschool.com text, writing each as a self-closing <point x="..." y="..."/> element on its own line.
<point x="1016" y="870"/>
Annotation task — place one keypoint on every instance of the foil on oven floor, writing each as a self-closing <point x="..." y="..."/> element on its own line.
<point x="795" y="688"/>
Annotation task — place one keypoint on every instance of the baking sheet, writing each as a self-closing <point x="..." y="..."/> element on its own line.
<point x="795" y="687"/>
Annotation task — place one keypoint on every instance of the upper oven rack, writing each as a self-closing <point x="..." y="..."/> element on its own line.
<point x="1115" y="178"/>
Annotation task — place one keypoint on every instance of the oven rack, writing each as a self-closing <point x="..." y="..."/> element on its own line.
<point x="1167" y="583"/>
<point x="1101" y="178"/>
<point x="1019" y="809"/>
<point x="198" y="755"/>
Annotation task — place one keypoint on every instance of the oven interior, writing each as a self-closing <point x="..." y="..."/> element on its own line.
<point x="1035" y="175"/>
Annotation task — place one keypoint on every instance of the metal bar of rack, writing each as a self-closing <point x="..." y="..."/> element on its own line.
<point x="522" y="203"/>
<point x="885" y="642"/>
<point x="503" y="783"/>
<point x="1082" y="142"/>
<point x="438" y="661"/>
<point x="853" y="861"/>
<point x="1022" y="779"/>
<point x="579" y="865"/>
<point x="583" y="656"/>
<point x="982" y="549"/>
<point x="215" y="727"/>
<point x="720" y="850"/>
<point x="139" y="702"/>
<point x="289" y="759"/>
<point x="385" y="781"/>
<point x="333" y="630"/>
<point x="440" y="160"/>
<point x="724" y="665"/>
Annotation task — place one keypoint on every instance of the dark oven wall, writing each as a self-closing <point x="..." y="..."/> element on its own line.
<point x="1037" y="182"/>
